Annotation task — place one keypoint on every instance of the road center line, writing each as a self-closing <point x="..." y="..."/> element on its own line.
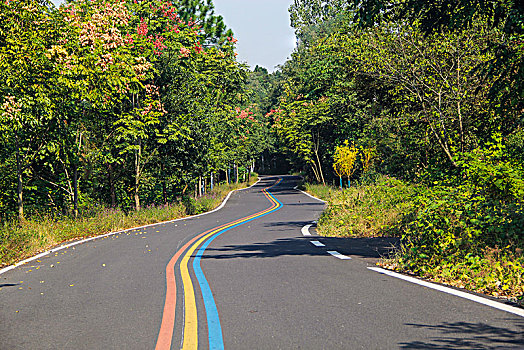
<point x="168" y="319"/>
<point x="318" y="244"/>
<point x="213" y="321"/>
<point x="338" y="255"/>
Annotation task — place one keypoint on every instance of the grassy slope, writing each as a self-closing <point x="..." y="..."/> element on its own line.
<point x="389" y="208"/>
<point x="20" y="241"/>
<point x="363" y="211"/>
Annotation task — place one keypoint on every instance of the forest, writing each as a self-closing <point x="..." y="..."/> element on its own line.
<point x="416" y="106"/>
<point x="406" y="116"/>
<point x="120" y="104"/>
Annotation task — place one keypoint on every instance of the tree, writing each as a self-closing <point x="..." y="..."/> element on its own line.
<point x="26" y="31"/>
<point x="434" y="74"/>
<point x="313" y="17"/>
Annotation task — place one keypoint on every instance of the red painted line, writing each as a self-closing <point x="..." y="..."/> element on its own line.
<point x="167" y="327"/>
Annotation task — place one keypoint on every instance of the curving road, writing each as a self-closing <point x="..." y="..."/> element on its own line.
<point x="243" y="277"/>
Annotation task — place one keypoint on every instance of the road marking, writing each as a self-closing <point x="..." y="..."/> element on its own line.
<point x="168" y="319"/>
<point x="214" y="328"/>
<point x="213" y="320"/>
<point x="8" y="268"/>
<point x="458" y="293"/>
<point x="190" y="314"/>
<point x="338" y="255"/>
<point x="305" y="230"/>
<point x="5" y="269"/>
<point x="309" y="195"/>
<point x="318" y="244"/>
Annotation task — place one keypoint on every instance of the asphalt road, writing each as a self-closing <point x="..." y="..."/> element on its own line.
<point x="268" y="286"/>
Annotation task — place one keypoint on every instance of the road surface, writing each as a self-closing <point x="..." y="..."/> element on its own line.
<point x="243" y="277"/>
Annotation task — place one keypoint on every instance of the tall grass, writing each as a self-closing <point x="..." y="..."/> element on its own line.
<point x="363" y="210"/>
<point x="21" y="240"/>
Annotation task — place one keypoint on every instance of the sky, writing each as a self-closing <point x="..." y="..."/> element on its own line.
<point x="263" y="30"/>
<point x="262" y="27"/>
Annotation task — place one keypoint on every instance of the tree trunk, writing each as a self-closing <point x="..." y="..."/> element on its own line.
<point x="164" y="185"/>
<point x="236" y="173"/>
<point x="316" y="147"/>
<point x="138" y="154"/>
<point x="200" y="186"/>
<point x="75" y="190"/>
<point x="320" y="168"/>
<point x="112" y="192"/>
<point x="20" y="183"/>
<point x="314" y="168"/>
<point x="227" y="175"/>
<point x="211" y="181"/>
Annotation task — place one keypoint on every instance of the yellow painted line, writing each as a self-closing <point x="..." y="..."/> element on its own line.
<point x="190" y="316"/>
<point x="191" y="320"/>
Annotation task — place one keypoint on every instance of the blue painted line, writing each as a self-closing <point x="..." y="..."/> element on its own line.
<point x="216" y="341"/>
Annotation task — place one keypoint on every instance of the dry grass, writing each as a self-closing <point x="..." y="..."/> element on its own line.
<point x="22" y="240"/>
<point x="363" y="211"/>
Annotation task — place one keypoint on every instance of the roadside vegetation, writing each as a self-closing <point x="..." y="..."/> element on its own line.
<point x="372" y="210"/>
<point x="407" y="116"/>
<point x="415" y="110"/>
<point x="24" y="239"/>
<point x="115" y="114"/>
<point x="467" y="234"/>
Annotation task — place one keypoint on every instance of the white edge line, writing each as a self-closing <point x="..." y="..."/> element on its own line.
<point x="338" y="255"/>
<point x="305" y="231"/>
<point x="309" y="195"/>
<point x="475" y="298"/>
<point x="8" y="268"/>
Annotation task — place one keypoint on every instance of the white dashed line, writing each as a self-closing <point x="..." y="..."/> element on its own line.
<point x="318" y="244"/>
<point x="305" y="230"/>
<point x="338" y="255"/>
<point x="475" y="298"/>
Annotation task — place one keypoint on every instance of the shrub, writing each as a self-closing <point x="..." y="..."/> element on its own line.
<point x="470" y="232"/>
<point x="364" y="210"/>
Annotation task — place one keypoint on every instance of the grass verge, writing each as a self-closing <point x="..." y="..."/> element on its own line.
<point x="451" y="234"/>
<point x="19" y="241"/>
<point x="363" y="211"/>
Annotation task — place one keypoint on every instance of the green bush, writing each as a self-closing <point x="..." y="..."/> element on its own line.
<point x="364" y="210"/>
<point x="492" y="172"/>
<point x="470" y="232"/>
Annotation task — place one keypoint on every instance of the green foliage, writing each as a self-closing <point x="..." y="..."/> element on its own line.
<point x="454" y="231"/>
<point x="492" y="172"/>
<point x="121" y="103"/>
<point x="372" y="210"/>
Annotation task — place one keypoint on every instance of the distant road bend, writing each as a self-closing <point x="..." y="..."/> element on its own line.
<point x="243" y="277"/>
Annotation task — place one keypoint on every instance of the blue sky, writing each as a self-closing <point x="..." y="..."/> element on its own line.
<point x="262" y="28"/>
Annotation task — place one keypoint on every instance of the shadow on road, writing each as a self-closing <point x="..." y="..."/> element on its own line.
<point x="367" y="247"/>
<point x="361" y="247"/>
<point x="465" y="335"/>
<point x="279" y="247"/>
